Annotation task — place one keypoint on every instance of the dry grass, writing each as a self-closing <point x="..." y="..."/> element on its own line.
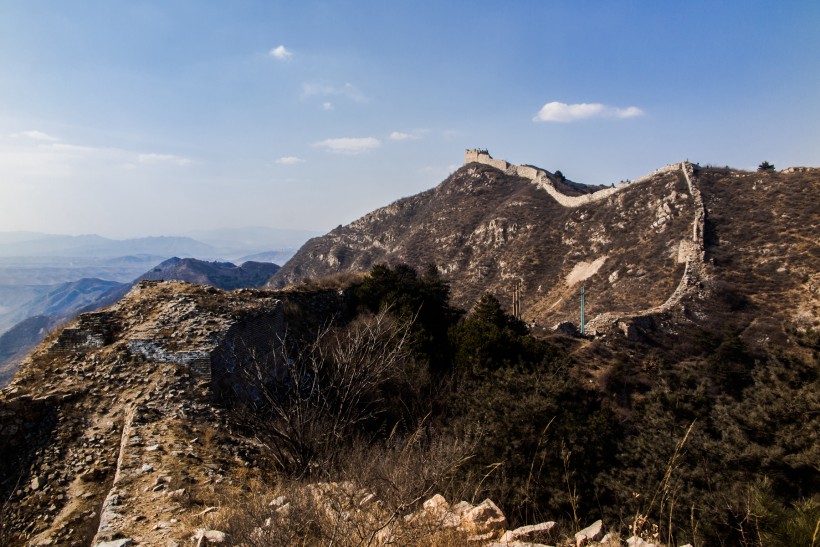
<point x="371" y="503"/>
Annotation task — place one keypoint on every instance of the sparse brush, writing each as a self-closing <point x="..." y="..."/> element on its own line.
<point x="376" y="488"/>
<point x="664" y="494"/>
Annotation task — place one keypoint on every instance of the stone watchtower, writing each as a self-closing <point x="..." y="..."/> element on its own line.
<point x="474" y="154"/>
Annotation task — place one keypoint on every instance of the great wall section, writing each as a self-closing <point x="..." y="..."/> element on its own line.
<point x="119" y="394"/>
<point x="692" y="251"/>
<point x="544" y="180"/>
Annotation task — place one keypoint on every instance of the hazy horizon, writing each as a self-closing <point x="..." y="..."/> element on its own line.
<point x="193" y="234"/>
<point x="136" y="119"/>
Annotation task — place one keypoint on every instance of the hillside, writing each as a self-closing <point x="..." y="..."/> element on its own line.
<point x="39" y="309"/>
<point x="488" y="230"/>
<point x="335" y="409"/>
<point x="18" y="341"/>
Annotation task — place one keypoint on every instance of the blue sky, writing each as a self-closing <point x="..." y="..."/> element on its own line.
<point x="134" y="118"/>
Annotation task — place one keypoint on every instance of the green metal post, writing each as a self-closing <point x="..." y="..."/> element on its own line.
<point x="583" y="290"/>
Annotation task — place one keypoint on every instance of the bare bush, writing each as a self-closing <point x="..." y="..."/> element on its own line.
<point x="327" y="392"/>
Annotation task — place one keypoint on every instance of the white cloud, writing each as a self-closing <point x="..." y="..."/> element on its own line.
<point x="628" y="112"/>
<point x="399" y="136"/>
<point x="36" y="135"/>
<point x="289" y="160"/>
<point x="349" y="145"/>
<point x="158" y="159"/>
<point x="563" y="112"/>
<point x="281" y="52"/>
<point x="327" y="105"/>
<point x="322" y="89"/>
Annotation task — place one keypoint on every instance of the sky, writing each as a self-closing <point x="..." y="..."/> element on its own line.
<point x="131" y="118"/>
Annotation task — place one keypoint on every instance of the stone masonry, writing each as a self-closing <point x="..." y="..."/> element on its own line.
<point x="544" y="179"/>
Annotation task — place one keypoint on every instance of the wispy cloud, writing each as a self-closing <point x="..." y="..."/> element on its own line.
<point x="563" y="112"/>
<point x="36" y="135"/>
<point x="400" y="136"/>
<point x="281" y="52"/>
<point x="348" y="145"/>
<point x="327" y="105"/>
<point x="159" y="159"/>
<point x="289" y="160"/>
<point x="323" y="89"/>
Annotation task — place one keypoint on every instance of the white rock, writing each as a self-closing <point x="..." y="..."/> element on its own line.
<point x="635" y="541"/>
<point x="211" y="536"/>
<point x="123" y="542"/>
<point x="484" y="517"/>
<point x="436" y="504"/>
<point x="593" y="532"/>
<point x="544" y="531"/>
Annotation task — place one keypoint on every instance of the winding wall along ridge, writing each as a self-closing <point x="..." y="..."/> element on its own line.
<point x="693" y="249"/>
<point x="543" y="179"/>
<point x="693" y="273"/>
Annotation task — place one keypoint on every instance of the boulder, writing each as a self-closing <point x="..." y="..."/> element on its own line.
<point x="122" y="542"/>
<point x="208" y="537"/>
<point x="593" y="532"/>
<point x="568" y="328"/>
<point x="436" y="504"/>
<point x="437" y="509"/>
<point x="543" y="532"/>
<point x="484" y="517"/>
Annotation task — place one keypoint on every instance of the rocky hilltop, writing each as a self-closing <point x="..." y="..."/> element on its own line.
<point x="34" y="319"/>
<point x="636" y="248"/>
<point x="112" y="414"/>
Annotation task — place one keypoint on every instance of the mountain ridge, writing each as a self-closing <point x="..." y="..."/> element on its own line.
<point x="638" y="248"/>
<point x="482" y="207"/>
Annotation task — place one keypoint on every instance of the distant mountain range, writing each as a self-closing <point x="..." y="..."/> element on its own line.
<point x="85" y="246"/>
<point x="218" y="244"/>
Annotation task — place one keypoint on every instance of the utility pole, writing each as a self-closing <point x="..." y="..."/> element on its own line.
<point x="583" y="297"/>
<point x="517" y="300"/>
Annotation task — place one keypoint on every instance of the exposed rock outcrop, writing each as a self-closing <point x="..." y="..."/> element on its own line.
<point x="108" y="428"/>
